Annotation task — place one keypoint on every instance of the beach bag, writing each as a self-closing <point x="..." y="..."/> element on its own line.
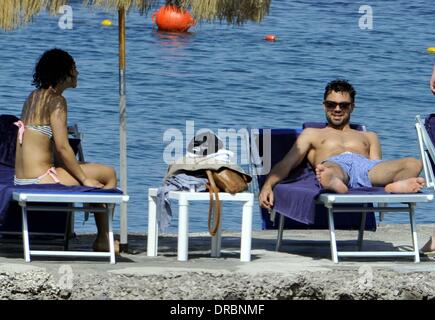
<point x="222" y="180"/>
<point x="228" y="180"/>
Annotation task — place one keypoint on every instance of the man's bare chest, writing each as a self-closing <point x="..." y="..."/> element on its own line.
<point x="342" y="140"/>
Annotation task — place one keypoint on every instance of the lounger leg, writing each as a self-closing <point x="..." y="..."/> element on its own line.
<point x="361" y="228"/>
<point x="183" y="229"/>
<point x="414" y="232"/>
<point x="110" y="212"/>
<point x="68" y="229"/>
<point x="216" y="241"/>
<point x="26" y="242"/>
<point x="382" y="214"/>
<point x="334" y="254"/>
<point x="280" y="232"/>
<point x="153" y="232"/>
<point x="246" y="237"/>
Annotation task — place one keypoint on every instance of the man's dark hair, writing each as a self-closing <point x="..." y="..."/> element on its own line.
<point x="340" y="86"/>
<point x="53" y="67"/>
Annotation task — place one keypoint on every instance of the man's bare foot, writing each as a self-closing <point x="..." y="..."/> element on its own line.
<point x="410" y="185"/>
<point x="428" y="247"/>
<point x="102" y="245"/>
<point x="328" y="180"/>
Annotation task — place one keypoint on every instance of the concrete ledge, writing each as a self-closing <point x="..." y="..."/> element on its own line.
<point x="302" y="270"/>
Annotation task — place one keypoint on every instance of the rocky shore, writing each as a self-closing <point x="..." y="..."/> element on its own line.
<point x="201" y="285"/>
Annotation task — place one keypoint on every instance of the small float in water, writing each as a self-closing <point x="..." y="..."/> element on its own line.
<point x="270" y="37"/>
<point x="106" y="23"/>
<point x="172" y="18"/>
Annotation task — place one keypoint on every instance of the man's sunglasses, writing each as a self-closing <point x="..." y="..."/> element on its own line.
<point x="332" y="105"/>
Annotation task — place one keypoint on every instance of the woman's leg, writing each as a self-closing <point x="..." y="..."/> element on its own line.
<point x="430" y="244"/>
<point x="105" y="175"/>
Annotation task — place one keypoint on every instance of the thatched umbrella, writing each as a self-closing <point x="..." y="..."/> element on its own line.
<point x="14" y="13"/>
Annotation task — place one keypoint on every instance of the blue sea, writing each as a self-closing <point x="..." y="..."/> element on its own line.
<point x="228" y="77"/>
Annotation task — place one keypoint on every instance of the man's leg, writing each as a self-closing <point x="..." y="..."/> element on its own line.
<point x="398" y="176"/>
<point x="332" y="177"/>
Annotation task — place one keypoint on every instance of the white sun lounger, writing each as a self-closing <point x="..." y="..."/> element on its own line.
<point x="34" y="201"/>
<point x="336" y="203"/>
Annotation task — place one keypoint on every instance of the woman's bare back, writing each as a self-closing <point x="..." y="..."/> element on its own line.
<point x="35" y="155"/>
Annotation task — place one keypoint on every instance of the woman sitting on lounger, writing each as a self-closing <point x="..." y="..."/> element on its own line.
<point x="43" y="132"/>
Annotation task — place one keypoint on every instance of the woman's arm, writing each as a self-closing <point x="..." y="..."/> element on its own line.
<point x="58" y="121"/>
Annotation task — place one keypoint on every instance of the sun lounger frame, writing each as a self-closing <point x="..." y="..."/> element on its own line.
<point x="31" y="201"/>
<point x="402" y="203"/>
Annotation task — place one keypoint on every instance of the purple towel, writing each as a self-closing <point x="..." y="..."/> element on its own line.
<point x="295" y="199"/>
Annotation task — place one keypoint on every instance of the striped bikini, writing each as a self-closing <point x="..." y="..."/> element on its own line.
<point x="44" y="129"/>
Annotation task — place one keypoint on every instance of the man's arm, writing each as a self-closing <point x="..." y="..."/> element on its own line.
<point x="375" y="146"/>
<point x="282" y="169"/>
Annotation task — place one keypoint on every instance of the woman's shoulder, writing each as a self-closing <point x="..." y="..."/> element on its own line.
<point x="32" y="95"/>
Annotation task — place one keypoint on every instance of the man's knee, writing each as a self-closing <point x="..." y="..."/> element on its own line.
<point x="338" y="171"/>
<point x="414" y="164"/>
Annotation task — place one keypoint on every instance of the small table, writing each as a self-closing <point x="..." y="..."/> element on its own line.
<point x="183" y="198"/>
<point x="34" y="201"/>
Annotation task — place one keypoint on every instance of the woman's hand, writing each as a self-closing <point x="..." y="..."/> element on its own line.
<point x="89" y="182"/>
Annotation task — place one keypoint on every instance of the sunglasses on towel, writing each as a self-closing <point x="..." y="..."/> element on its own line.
<point x="331" y="105"/>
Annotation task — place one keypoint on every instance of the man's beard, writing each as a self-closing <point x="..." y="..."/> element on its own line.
<point x="344" y="120"/>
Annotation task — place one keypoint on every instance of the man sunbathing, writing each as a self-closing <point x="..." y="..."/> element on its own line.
<point x="342" y="157"/>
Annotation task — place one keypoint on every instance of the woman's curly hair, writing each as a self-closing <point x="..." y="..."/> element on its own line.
<point x="53" y="67"/>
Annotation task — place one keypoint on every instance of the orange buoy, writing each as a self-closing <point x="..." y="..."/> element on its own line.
<point x="270" y="37"/>
<point x="173" y="18"/>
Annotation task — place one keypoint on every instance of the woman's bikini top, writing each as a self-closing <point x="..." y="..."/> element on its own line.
<point x="44" y="129"/>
